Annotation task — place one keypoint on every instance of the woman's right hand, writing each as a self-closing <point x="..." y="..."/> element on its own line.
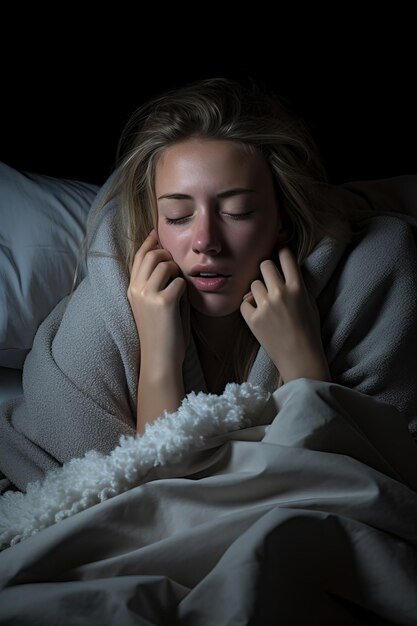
<point x="157" y="296"/>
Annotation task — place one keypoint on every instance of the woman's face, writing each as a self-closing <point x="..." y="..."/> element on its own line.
<point x="219" y="218"/>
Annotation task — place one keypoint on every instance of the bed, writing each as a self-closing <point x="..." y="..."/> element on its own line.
<point x="258" y="507"/>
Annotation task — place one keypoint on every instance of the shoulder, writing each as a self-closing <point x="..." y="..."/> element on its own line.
<point x="384" y="239"/>
<point x="380" y="259"/>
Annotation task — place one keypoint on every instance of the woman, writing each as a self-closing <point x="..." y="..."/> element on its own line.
<point x="230" y="183"/>
<point x="217" y="201"/>
<point x="217" y="252"/>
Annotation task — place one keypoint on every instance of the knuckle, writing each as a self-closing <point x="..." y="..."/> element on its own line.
<point x="258" y="319"/>
<point x="133" y="292"/>
<point x="277" y="295"/>
<point x="295" y="286"/>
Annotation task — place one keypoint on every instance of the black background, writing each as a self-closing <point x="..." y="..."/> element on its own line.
<point x="70" y="86"/>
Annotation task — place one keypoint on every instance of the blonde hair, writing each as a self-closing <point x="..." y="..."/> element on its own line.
<point x="245" y="113"/>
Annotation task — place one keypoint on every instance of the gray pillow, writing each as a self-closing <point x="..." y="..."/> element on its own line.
<point x="42" y="222"/>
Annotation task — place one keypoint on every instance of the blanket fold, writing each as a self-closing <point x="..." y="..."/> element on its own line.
<point x="80" y="378"/>
<point x="306" y="507"/>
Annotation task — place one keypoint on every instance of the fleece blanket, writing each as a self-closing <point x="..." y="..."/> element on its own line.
<point x="80" y="378"/>
<point x="83" y="482"/>
<point x="300" y="510"/>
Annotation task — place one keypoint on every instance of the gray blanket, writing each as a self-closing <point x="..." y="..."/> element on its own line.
<point x="80" y="377"/>
<point x="307" y="517"/>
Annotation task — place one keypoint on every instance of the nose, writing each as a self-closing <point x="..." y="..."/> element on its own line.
<point x="206" y="234"/>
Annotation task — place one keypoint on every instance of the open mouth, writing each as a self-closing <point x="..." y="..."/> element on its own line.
<point x="208" y="275"/>
<point x="208" y="281"/>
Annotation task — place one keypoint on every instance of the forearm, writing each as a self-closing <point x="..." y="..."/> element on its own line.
<point x="310" y="366"/>
<point x="159" y="390"/>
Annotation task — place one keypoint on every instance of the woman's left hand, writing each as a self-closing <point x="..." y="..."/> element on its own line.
<point x="285" y="320"/>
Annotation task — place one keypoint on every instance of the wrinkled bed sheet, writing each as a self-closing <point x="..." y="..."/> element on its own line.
<point x="306" y="517"/>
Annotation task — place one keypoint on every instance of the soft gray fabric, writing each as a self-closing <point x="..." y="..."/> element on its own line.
<point x="308" y="517"/>
<point x="80" y="378"/>
<point x="41" y="227"/>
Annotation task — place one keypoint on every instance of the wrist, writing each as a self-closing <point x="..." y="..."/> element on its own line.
<point x="310" y="365"/>
<point x="158" y="391"/>
<point x="158" y="364"/>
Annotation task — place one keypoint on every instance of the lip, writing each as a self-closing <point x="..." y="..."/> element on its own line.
<point x="210" y="284"/>
<point x="208" y="269"/>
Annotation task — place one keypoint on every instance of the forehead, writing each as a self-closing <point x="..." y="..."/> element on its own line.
<point x="207" y="161"/>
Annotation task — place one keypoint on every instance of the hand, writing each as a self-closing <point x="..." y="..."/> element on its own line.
<point x="157" y="296"/>
<point x="285" y="320"/>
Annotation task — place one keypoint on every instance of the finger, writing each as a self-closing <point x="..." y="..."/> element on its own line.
<point x="163" y="274"/>
<point x="258" y="291"/>
<point x="176" y="288"/>
<point x="271" y="275"/>
<point x="150" y="243"/>
<point x="146" y="266"/>
<point x="290" y="268"/>
<point x="248" y="297"/>
<point x="246" y="307"/>
<point x="247" y="310"/>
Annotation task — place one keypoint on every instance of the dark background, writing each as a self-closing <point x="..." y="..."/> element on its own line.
<point x="66" y="95"/>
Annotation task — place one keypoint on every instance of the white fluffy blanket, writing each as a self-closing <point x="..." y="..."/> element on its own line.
<point x="83" y="482"/>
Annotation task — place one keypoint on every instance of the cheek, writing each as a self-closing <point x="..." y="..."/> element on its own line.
<point x="164" y="236"/>
<point x="257" y="243"/>
<point x="172" y="241"/>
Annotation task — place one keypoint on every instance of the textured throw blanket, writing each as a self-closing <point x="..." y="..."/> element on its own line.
<point x="301" y="510"/>
<point x="80" y="377"/>
<point x="81" y="483"/>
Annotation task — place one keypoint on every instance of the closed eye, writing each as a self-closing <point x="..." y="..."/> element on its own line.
<point x="233" y="216"/>
<point x="177" y="220"/>
<point x="239" y="216"/>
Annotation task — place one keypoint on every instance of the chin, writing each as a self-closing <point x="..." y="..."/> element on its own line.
<point x="213" y="305"/>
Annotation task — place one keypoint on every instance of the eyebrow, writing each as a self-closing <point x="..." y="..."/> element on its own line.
<point x="223" y="194"/>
